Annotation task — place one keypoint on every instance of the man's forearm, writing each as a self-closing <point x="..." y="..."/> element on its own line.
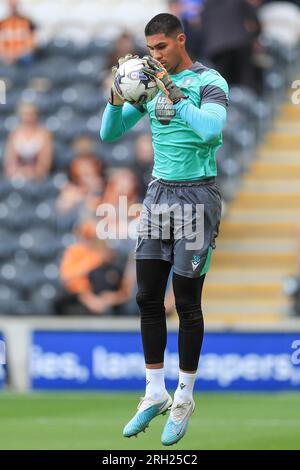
<point x="112" y="127"/>
<point x="207" y="121"/>
<point x="117" y="120"/>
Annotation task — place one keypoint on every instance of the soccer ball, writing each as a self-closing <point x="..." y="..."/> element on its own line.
<point x="132" y="84"/>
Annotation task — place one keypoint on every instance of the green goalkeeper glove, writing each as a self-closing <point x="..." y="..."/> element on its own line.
<point x="163" y="79"/>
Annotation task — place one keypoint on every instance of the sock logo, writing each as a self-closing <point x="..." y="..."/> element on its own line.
<point x="182" y="385"/>
<point x="147" y="382"/>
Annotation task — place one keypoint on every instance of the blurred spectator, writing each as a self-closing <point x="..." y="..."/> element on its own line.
<point x="17" y="37"/>
<point x="121" y="182"/>
<point x="189" y="11"/>
<point x="125" y="44"/>
<point x="112" y="288"/>
<point x="144" y="162"/>
<point x="29" y="148"/>
<point x="86" y="182"/>
<point x="229" y="29"/>
<point x="94" y="277"/>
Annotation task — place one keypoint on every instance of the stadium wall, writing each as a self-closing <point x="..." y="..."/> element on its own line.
<point x="106" y="354"/>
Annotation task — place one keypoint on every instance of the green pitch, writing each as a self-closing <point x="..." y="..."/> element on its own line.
<point x="95" y="421"/>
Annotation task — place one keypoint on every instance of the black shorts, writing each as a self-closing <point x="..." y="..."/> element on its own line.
<point x="179" y="223"/>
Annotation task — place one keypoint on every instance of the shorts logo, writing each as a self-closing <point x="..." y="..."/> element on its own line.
<point x="196" y="261"/>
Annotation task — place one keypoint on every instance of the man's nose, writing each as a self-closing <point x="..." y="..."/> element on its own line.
<point x="157" y="55"/>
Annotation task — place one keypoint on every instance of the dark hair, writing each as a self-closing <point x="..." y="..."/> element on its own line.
<point x="164" y="23"/>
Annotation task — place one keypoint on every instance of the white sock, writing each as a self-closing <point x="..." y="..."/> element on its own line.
<point x="155" y="383"/>
<point x="184" y="391"/>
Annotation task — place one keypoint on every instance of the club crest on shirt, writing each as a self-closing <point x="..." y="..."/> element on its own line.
<point x="164" y="110"/>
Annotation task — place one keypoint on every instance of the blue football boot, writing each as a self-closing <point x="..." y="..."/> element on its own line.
<point x="147" y="410"/>
<point x="177" y="423"/>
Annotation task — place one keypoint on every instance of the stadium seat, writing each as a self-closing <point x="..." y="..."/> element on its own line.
<point x="60" y="47"/>
<point x="10" y="299"/>
<point x="42" y="299"/>
<point x="89" y="70"/>
<point x="8" y="245"/>
<point x="12" y="100"/>
<point x="99" y="47"/>
<point x="5" y="188"/>
<point x="40" y="243"/>
<point x="15" y="213"/>
<point x="63" y="156"/>
<point x="28" y="275"/>
<point x="64" y="223"/>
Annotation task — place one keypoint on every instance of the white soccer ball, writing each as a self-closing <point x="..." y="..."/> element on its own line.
<point x="133" y="85"/>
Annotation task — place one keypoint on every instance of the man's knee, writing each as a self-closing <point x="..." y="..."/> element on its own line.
<point x="150" y="307"/>
<point x="146" y="300"/>
<point x="188" y="312"/>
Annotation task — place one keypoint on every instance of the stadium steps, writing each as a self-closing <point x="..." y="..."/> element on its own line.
<point x="233" y="318"/>
<point x="275" y="169"/>
<point x="241" y="230"/>
<point x="249" y="260"/>
<point x="284" y="141"/>
<point x="257" y="245"/>
<point x="268" y="200"/>
<point x="270" y="170"/>
<point x="253" y="215"/>
<point x="289" y="114"/>
<point x="265" y="154"/>
<point x="240" y="289"/>
<point x="262" y="186"/>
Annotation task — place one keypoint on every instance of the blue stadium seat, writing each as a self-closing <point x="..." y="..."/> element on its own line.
<point x="5" y="188"/>
<point x="41" y="244"/>
<point x="10" y="300"/>
<point x="8" y="243"/>
<point x="60" y="47"/>
<point x="100" y="47"/>
<point x="63" y="156"/>
<point x="39" y="191"/>
<point x="15" y="213"/>
<point x="43" y="298"/>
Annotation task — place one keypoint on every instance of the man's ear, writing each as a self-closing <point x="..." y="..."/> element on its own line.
<point x="181" y="39"/>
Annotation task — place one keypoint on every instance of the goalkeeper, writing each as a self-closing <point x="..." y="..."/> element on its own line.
<point x="187" y="118"/>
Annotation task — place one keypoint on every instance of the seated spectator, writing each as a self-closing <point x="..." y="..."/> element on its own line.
<point x="28" y="152"/>
<point x="94" y="277"/>
<point x="17" y="38"/>
<point x="118" y="212"/>
<point x="125" y="44"/>
<point x="86" y="183"/>
<point x="121" y="182"/>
